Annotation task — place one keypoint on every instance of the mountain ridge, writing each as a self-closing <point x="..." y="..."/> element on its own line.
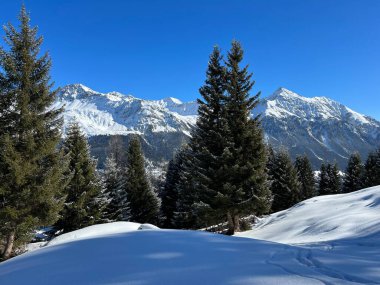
<point x="320" y="127"/>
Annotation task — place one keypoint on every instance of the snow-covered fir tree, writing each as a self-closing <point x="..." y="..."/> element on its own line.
<point x="169" y="194"/>
<point x="118" y="208"/>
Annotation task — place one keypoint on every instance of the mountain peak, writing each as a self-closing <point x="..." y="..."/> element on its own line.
<point x="75" y="90"/>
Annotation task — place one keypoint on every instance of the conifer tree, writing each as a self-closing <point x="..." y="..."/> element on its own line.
<point x="118" y="208"/>
<point x="372" y="169"/>
<point x="201" y="176"/>
<point x="31" y="167"/>
<point x="323" y="181"/>
<point x="169" y="195"/>
<point x="285" y="185"/>
<point x="353" y="180"/>
<point x="83" y="206"/>
<point x="305" y="177"/>
<point x="246" y="188"/>
<point x="330" y="180"/>
<point x="144" y="203"/>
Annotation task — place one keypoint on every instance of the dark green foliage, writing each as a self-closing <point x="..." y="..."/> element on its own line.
<point x="353" y="180"/>
<point x="372" y="169"/>
<point x="200" y="180"/>
<point x="143" y="201"/>
<point x="169" y="195"/>
<point x="330" y="180"/>
<point x="114" y="181"/>
<point x="285" y="186"/>
<point x="83" y="206"/>
<point x="246" y="187"/>
<point x="224" y="173"/>
<point x="31" y="167"/>
<point x="305" y="177"/>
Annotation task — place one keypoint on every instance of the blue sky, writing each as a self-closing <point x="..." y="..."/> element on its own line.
<point x="155" y="49"/>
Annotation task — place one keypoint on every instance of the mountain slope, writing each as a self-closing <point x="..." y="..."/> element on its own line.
<point x="319" y="127"/>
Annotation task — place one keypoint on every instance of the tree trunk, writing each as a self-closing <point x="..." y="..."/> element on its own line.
<point x="230" y="224"/>
<point x="9" y="245"/>
<point x="236" y="223"/>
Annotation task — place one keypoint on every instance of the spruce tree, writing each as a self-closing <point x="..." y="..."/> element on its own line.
<point x="83" y="206"/>
<point x="169" y="195"/>
<point x="31" y="167"/>
<point x="118" y="208"/>
<point x="372" y="169"/>
<point x="285" y="186"/>
<point x="353" y="180"/>
<point x="305" y="177"/>
<point x="144" y="203"/>
<point x="323" y="181"/>
<point x="201" y="176"/>
<point x="245" y="190"/>
<point x="330" y="180"/>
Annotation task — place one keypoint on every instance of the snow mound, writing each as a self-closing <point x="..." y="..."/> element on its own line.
<point x="148" y="227"/>
<point x="96" y="231"/>
<point x="323" y="218"/>
<point x="173" y="257"/>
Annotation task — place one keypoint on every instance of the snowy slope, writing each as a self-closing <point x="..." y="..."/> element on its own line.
<point x="118" y="253"/>
<point x="323" y="218"/>
<point x="319" y="127"/>
<point x="165" y="257"/>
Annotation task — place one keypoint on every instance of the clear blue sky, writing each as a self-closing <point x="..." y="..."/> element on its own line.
<point x="155" y="49"/>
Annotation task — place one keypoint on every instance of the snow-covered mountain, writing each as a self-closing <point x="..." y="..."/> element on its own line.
<point x="319" y="127"/>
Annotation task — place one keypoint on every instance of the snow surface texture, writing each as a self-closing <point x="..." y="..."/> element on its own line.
<point x="349" y="254"/>
<point x="319" y="127"/>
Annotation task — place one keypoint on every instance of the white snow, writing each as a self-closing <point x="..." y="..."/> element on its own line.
<point x="114" y="113"/>
<point x="95" y="231"/>
<point x="285" y="103"/>
<point x="348" y="251"/>
<point x="323" y="218"/>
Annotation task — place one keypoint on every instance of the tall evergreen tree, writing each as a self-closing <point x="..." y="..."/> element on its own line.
<point x="169" y="195"/>
<point x="201" y="175"/>
<point x="305" y="177"/>
<point x="118" y="208"/>
<point x="285" y="185"/>
<point x="83" y="206"/>
<point x="353" y="180"/>
<point x="31" y="167"/>
<point x="144" y="203"/>
<point x="372" y="169"/>
<point x="246" y="188"/>
<point x="323" y="180"/>
<point x="330" y="180"/>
